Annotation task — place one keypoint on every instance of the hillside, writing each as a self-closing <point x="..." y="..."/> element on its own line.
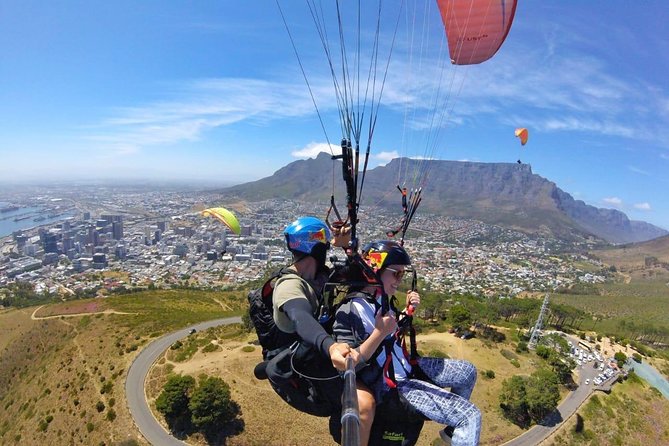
<point x="62" y="374"/>
<point x="637" y="255"/>
<point x="598" y="421"/>
<point x="498" y="193"/>
<point x="62" y="379"/>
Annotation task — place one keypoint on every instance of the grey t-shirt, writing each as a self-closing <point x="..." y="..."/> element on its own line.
<point x="288" y="287"/>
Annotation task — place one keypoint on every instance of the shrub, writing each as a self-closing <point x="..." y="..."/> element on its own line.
<point x="248" y="349"/>
<point x="100" y="406"/>
<point x="522" y="347"/>
<point x="111" y="415"/>
<point x="508" y="354"/>
<point x="437" y="354"/>
<point x="515" y="363"/>
<point x="490" y="374"/>
<point x="106" y="387"/>
<point x="90" y="427"/>
<point x="210" y="348"/>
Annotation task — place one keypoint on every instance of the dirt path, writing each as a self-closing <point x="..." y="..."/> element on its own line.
<point x="34" y="316"/>
<point x="223" y="306"/>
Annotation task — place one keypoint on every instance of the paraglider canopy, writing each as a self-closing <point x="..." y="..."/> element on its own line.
<point x="523" y="134"/>
<point x="225" y="216"/>
<point x="476" y="29"/>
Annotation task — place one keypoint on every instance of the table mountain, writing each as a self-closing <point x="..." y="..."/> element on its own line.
<point x="507" y="194"/>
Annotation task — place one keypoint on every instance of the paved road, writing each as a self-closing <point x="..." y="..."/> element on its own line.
<point x="566" y="409"/>
<point x="139" y="369"/>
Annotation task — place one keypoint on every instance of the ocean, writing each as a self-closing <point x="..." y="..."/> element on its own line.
<point x="25" y="218"/>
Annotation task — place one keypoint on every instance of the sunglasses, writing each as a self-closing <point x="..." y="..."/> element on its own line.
<point x="398" y="274"/>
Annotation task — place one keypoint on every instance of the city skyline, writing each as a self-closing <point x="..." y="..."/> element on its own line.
<point x="213" y="92"/>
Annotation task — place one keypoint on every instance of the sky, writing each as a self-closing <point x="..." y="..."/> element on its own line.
<point x="213" y="91"/>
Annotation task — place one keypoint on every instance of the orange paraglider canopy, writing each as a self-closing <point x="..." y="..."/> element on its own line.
<point x="523" y="134"/>
<point x="476" y="29"/>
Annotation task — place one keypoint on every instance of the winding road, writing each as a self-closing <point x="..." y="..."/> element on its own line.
<point x="155" y="434"/>
<point x="150" y="428"/>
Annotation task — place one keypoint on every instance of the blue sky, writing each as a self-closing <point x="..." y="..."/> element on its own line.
<point x="211" y="90"/>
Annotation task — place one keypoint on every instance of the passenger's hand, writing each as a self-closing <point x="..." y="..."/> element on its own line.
<point x="338" y="353"/>
<point x="386" y="324"/>
<point x="413" y="299"/>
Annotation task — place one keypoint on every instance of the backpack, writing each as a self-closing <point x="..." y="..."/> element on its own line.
<point x="270" y="337"/>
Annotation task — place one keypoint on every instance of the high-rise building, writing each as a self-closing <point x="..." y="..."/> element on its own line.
<point x="99" y="261"/>
<point x="68" y="243"/>
<point x="121" y="252"/>
<point x="117" y="230"/>
<point x="50" y="242"/>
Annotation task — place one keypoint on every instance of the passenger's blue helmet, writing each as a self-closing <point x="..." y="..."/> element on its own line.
<point x="306" y="233"/>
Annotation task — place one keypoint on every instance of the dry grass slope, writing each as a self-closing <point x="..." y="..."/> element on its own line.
<point x="62" y="379"/>
<point x="632" y="415"/>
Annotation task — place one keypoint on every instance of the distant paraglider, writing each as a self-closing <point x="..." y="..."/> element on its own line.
<point x="522" y="134"/>
<point x="225" y="216"/>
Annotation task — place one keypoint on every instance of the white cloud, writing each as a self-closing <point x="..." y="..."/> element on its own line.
<point x="613" y="202"/>
<point x="560" y="93"/>
<point x="639" y="171"/>
<point x="386" y="157"/>
<point x="642" y="206"/>
<point x="312" y="150"/>
<point x="202" y="105"/>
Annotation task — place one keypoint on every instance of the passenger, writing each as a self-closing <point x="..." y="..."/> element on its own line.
<point x="360" y="324"/>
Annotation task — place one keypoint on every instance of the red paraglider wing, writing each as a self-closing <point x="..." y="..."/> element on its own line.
<point x="476" y="29"/>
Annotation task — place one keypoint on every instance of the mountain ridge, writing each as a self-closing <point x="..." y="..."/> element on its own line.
<point x="507" y="194"/>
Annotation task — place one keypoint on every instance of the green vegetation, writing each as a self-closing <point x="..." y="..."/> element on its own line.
<point x="176" y="308"/>
<point x="636" y="310"/>
<point x="22" y="294"/>
<point x="173" y="401"/>
<point x="606" y="419"/>
<point x="526" y="400"/>
<point x="207" y="407"/>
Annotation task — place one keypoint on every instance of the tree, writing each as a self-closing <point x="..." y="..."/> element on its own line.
<point x="542" y="394"/>
<point x="620" y="358"/>
<point x="460" y="316"/>
<point x="211" y="404"/>
<point x="529" y="399"/>
<point x="173" y="401"/>
<point x="512" y="400"/>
